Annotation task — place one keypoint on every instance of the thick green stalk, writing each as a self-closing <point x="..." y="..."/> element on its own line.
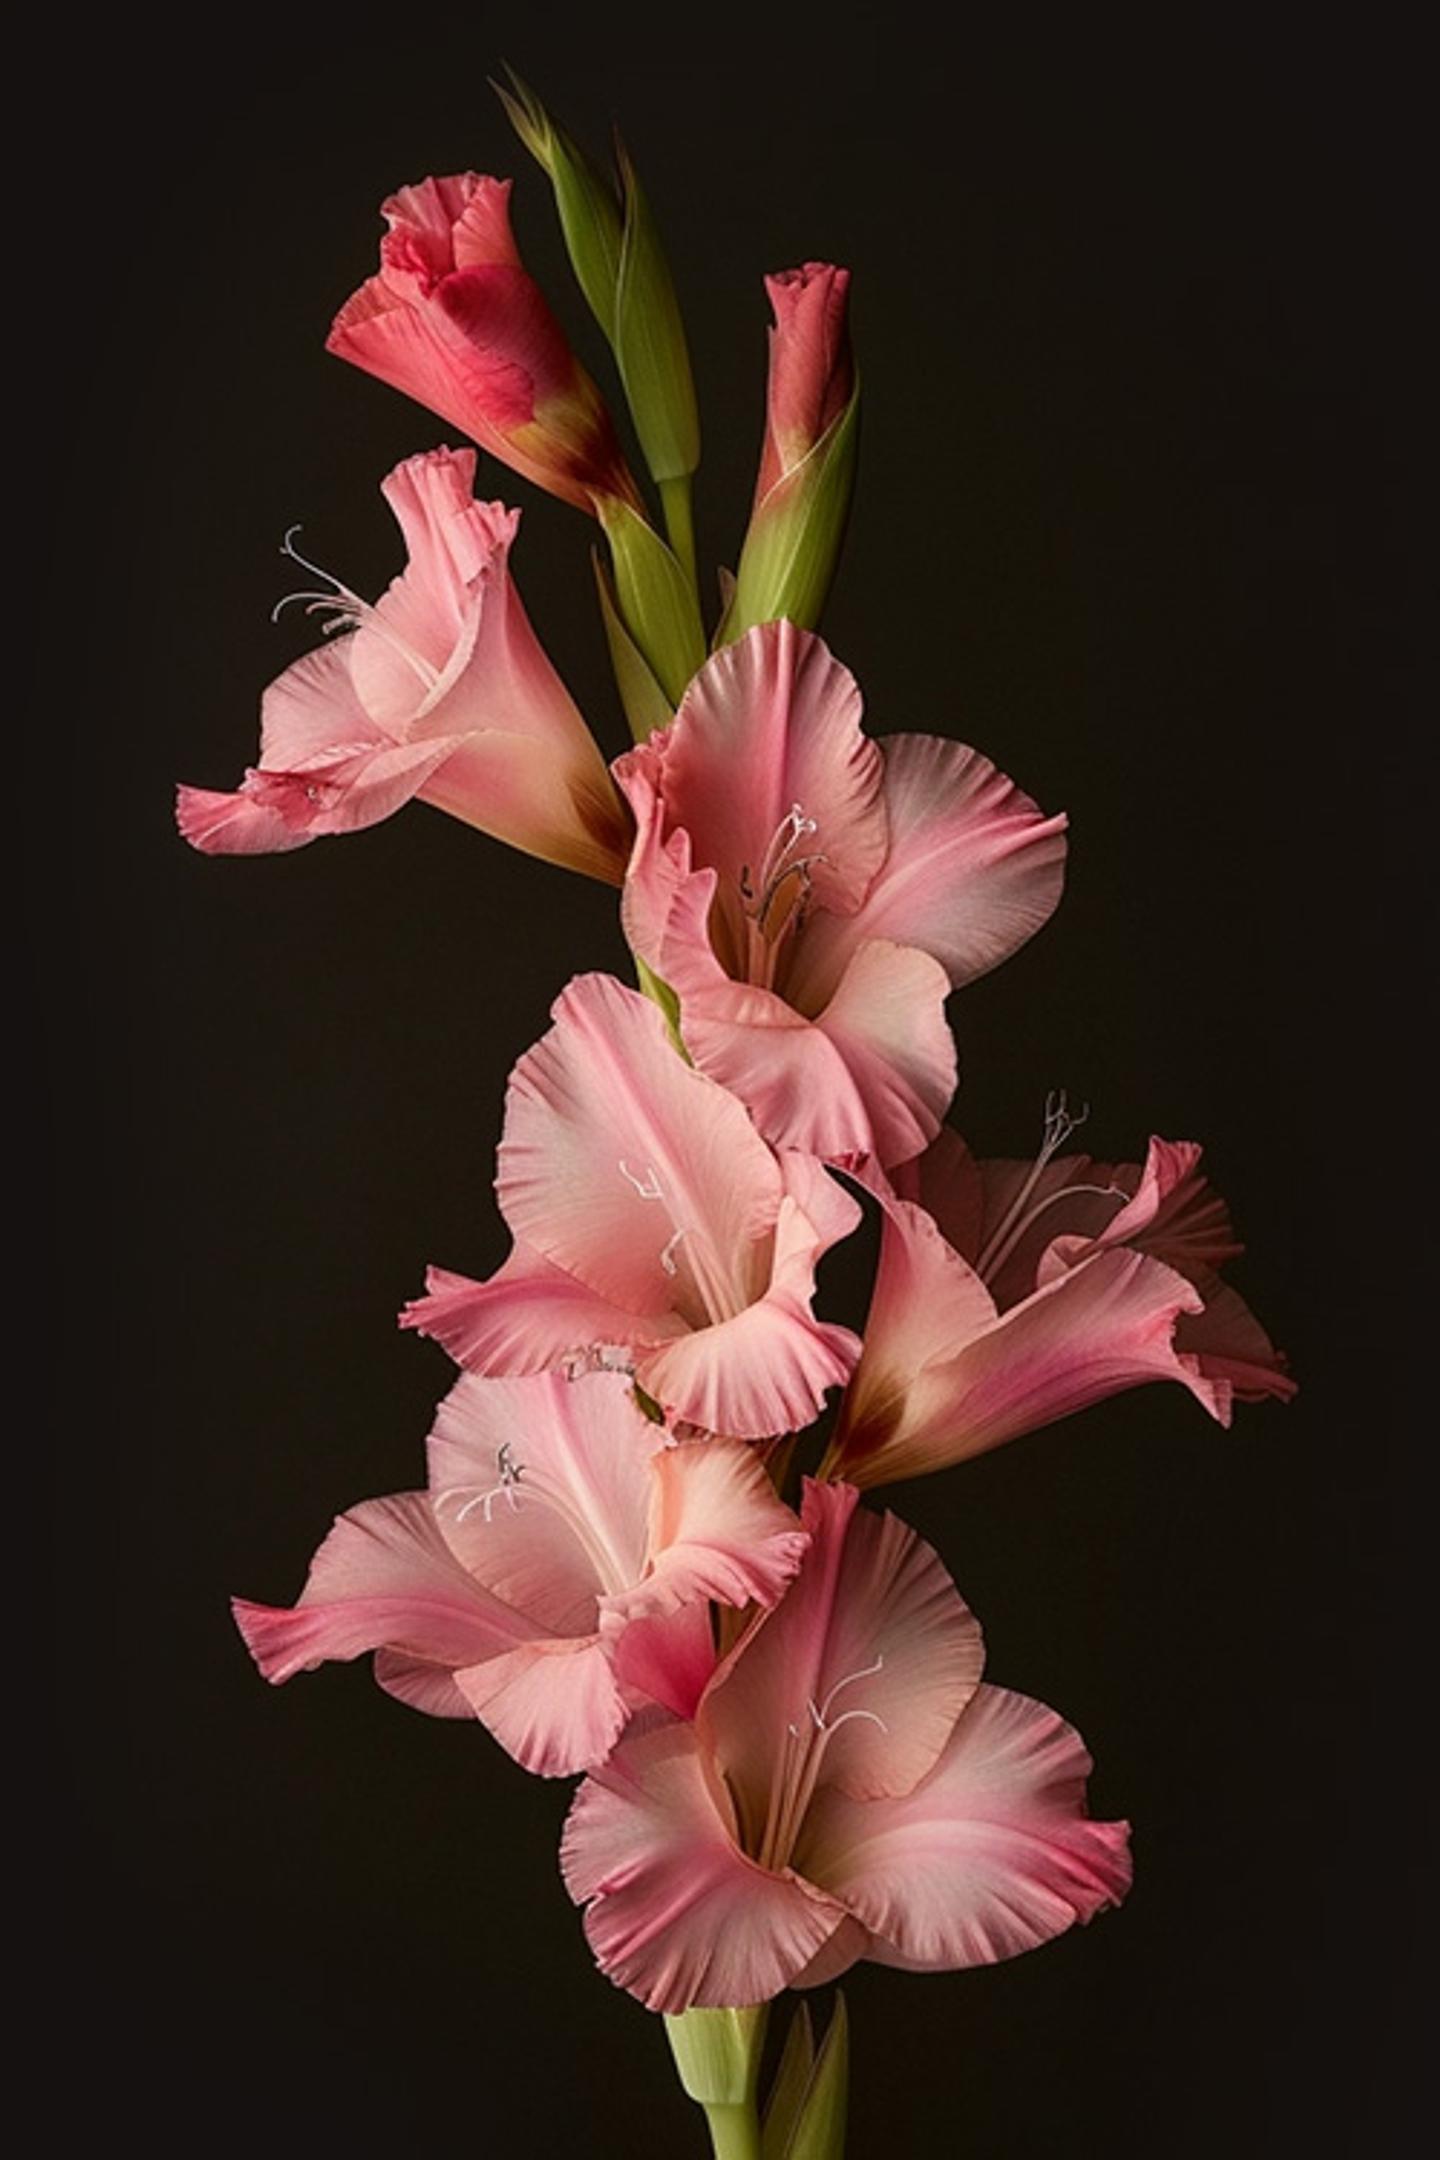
<point x="675" y="500"/>
<point x="734" y="2132"/>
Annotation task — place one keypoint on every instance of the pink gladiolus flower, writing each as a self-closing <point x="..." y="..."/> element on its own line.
<point x="847" y="1789"/>
<point x="1020" y="1292"/>
<point x="653" y="1228"/>
<point x="456" y="322"/>
<point x="556" y="1571"/>
<point x="812" y="373"/>
<point x="440" y="690"/>
<point x="812" y="896"/>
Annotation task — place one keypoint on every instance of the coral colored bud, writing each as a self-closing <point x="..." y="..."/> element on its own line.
<point x="812" y="371"/>
<point x="455" y="321"/>
<point x="807" y="464"/>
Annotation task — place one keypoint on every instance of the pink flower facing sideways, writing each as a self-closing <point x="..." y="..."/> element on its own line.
<point x="556" y="1572"/>
<point x="454" y="320"/>
<point x="440" y="690"/>
<point x="1021" y="1292"/>
<point x="812" y="896"/>
<point x="847" y="1789"/>
<point x="653" y="1229"/>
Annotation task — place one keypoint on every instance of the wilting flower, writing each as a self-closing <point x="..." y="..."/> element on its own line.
<point x="847" y="1789"/>
<point x="455" y="321"/>
<point x="439" y="690"/>
<point x="556" y="1571"/>
<point x="1020" y="1292"/>
<point x="653" y="1228"/>
<point x="811" y="896"/>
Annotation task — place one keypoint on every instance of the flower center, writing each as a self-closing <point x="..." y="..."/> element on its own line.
<point x="347" y="611"/>
<point x="698" y="1284"/>
<point x="1060" y="1122"/>
<point x="586" y="1526"/>
<point x="802" y="1756"/>
<point x="776" y="899"/>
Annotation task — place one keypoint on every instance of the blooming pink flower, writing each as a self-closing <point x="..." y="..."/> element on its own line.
<point x="653" y="1227"/>
<point x="812" y="896"/>
<point x="456" y="322"/>
<point x="439" y="690"/>
<point x="847" y="1789"/>
<point x="556" y="1571"/>
<point x="812" y="372"/>
<point x="1020" y="1292"/>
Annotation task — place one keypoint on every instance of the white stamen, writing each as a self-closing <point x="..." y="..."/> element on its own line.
<point x="511" y="1473"/>
<point x="348" y="611"/>
<point x="667" y="1258"/>
<point x="1059" y="1124"/>
<point x="648" y="1187"/>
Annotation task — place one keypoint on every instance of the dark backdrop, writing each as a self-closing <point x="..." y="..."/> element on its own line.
<point x="1121" y="311"/>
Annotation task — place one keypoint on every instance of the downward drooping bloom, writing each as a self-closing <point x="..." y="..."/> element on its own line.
<point x="812" y="896"/>
<point x="847" y="1789"/>
<point x="653" y="1228"/>
<point x="1020" y="1292"/>
<point x="556" y="1571"/>
<point x="440" y="690"/>
<point x="455" y="321"/>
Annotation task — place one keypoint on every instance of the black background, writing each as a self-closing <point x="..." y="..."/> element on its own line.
<point x="1123" y="314"/>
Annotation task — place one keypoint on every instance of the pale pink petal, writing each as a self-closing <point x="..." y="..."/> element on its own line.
<point x="792" y="1078"/>
<point x="344" y="791"/>
<point x="887" y="1019"/>
<point x="925" y="1306"/>
<point x="973" y="869"/>
<point x="312" y="710"/>
<point x="771" y="724"/>
<point x="421" y="1683"/>
<point x="627" y="1168"/>
<point x="991" y="1854"/>
<point x="549" y="802"/>
<point x="872" y="1642"/>
<point x="543" y="1488"/>
<point x="1105" y="1325"/>
<point x="529" y="1317"/>
<point x="764" y="1372"/>
<point x="235" y="824"/>
<point x="383" y="1578"/>
<point x="849" y="1942"/>
<point x="555" y="1706"/>
<point x="717" y="1530"/>
<point x="677" y="1913"/>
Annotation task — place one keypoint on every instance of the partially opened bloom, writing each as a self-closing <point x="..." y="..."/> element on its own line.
<point x="556" y="1571"/>
<point x="1020" y="1292"/>
<point x="455" y="320"/>
<point x="439" y="690"/>
<point x="812" y="896"/>
<point x="847" y="1789"/>
<point x="653" y="1228"/>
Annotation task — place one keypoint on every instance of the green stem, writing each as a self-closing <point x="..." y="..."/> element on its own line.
<point x="734" y="2132"/>
<point x="680" y="525"/>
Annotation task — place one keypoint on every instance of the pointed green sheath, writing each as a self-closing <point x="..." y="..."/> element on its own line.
<point x="646" y="705"/>
<point x="819" y="2132"/>
<point x="790" y="2087"/>
<point x="590" y="215"/>
<point x="791" y="550"/>
<point x="656" y="598"/>
<point x="649" y="341"/>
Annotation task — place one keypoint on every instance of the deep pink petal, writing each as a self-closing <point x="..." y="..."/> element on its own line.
<point x="872" y="1641"/>
<point x="668" y="1658"/>
<point x="1230" y="1345"/>
<point x="812" y="373"/>
<point x="555" y="1706"/>
<point x="628" y="1169"/>
<point x="973" y="868"/>
<point x="991" y="1854"/>
<point x="677" y="1914"/>
<point x="383" y="1578"/>
<point x="1174" y="1213"/>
